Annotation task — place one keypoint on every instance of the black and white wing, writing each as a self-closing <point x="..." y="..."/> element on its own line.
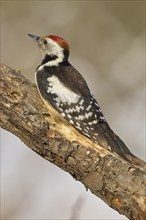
<point x="67" y="91"/>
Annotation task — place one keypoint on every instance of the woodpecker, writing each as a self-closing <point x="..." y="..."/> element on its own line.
<point x="64" y="88"/>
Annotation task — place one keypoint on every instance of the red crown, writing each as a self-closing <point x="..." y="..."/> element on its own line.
<point x="63" y="43"/>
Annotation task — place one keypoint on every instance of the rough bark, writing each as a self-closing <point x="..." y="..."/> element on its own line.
<point x="119" y="183"/>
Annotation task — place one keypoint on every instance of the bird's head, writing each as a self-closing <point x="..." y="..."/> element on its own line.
<point x="52" y="46"/>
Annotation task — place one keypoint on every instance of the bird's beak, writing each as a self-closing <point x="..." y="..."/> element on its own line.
<point x="36" y="38"/>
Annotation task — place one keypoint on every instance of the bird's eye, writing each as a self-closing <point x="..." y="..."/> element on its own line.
<point x="45" y="42"/>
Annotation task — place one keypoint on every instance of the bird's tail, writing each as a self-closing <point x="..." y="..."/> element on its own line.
<point x="115" y="143"/>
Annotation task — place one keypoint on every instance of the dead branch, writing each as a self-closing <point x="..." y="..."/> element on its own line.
<point x="119" y="183"/>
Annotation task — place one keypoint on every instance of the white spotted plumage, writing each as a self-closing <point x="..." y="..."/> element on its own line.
<point x="73" y="106"/>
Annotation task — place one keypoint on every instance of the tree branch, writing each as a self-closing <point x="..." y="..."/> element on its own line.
<point x="119" y="183"/>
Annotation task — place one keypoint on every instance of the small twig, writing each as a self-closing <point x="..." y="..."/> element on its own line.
<point x="75" y="215"/>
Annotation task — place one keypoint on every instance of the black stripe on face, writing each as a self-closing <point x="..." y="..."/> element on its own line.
<point x="48" y="58"/>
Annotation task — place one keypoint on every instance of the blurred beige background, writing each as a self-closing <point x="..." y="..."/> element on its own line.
<point x="107" y="41"/>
